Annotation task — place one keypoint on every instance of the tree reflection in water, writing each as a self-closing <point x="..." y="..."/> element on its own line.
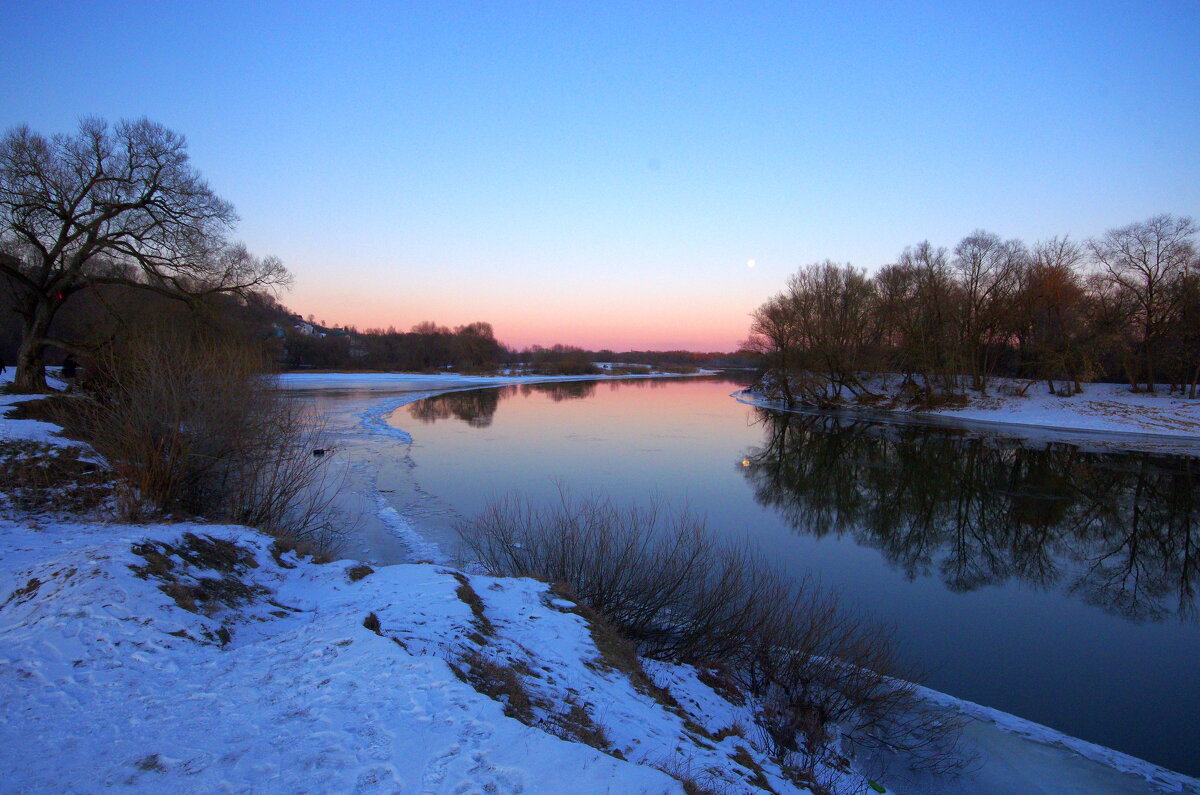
<point x="1118" y="530"/>
<point x="477" y="407"/>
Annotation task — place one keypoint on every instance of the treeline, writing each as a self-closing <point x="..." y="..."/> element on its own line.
<point x="428" y="346"/>
<point x="98" y="314"/>
<point x="1122" y="306"/>
<point x="101" y="316"/>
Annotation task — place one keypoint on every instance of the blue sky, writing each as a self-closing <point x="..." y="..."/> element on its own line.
<point x="602" y="173"/>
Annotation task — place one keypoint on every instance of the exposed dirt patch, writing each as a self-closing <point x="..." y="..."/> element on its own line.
<point x="194" y="590"/>
<point x="359" y="572"/>
<point x="468" y="596"/>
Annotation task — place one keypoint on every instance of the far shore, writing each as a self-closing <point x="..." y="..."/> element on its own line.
<point x="1100" y="410"/>
<point x="374" y="379"/>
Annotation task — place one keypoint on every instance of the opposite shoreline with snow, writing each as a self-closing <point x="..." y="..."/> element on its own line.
<point x="1109" y="414"/>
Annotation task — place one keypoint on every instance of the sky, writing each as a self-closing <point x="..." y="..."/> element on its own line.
<point x="628" y="175"/>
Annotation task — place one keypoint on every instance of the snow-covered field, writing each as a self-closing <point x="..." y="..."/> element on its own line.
<point x="1099" y="409"/>
<point x="195" y="658"/>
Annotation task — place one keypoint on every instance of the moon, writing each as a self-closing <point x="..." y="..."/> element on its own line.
<point x="750" y="263"/>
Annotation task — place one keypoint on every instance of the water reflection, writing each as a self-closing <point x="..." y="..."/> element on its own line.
<point x="477" y="407"/>
<point x="1117" y="530"/>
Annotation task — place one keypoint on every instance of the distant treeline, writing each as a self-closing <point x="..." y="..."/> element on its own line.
<point x="1123" y="306"/>
<point x="98" y="314"/>
<point x="470" y="348"/>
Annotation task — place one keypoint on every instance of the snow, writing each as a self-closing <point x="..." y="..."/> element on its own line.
<point x="27" y="430"/>
<point x="109" y="683"/>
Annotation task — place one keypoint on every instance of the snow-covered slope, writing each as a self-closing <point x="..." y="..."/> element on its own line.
<point x="193" y="658"/>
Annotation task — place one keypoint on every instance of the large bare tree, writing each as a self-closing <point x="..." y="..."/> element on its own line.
<point x="110" y="205"/>
<point x="1143" y="263"/>
<point x="987" y="269"/>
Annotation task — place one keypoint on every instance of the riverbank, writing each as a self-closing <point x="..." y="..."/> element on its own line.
<point x="323" y="672"/>
<point x="1099" y="409"/>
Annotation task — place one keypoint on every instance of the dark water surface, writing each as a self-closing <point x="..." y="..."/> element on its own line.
<point x="1041" y="578"/>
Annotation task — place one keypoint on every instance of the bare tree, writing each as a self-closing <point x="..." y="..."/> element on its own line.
<point x="832" y="307"/>
<point x="1053" y="318"/>
<point x="774" y="334"/>
<point x="936" y="299"/>
<point x="1142" y="261"/>
<point x="120" y="205"/>
<point x="1184" y="333"/>
<point x="987" y="270"/>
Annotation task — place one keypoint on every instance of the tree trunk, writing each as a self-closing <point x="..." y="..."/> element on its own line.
<point x="30" y="377"/>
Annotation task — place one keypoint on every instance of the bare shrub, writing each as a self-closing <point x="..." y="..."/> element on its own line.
<point x="661" y="580"/>
<point x="818" y="672"/>
<point x="190" y="423"/>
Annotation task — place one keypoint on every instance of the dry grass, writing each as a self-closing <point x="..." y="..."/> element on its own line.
<point x="576" y="724"/>
<point x="694" y="782"/>
<point x="758" y="776"/>
<point x="468" y="596"/>
<point x="497" y="681"/>
<point x="359" y="572"/>
<point x="723" y="684"/>
<point x="735" y="730"/>
<point x="40" y="477"/>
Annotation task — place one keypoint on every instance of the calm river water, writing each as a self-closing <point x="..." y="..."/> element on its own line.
<point x="1041" y="578"/>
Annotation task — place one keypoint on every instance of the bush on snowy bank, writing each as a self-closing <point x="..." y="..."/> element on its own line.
<point x="817" y="672"/>
<point x="190" y="424"/>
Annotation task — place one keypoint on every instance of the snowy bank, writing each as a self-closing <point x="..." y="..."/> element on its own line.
<point x="199" y="658"/>
<point x="27" y="430"/>
<point x="1098" y="409"/>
